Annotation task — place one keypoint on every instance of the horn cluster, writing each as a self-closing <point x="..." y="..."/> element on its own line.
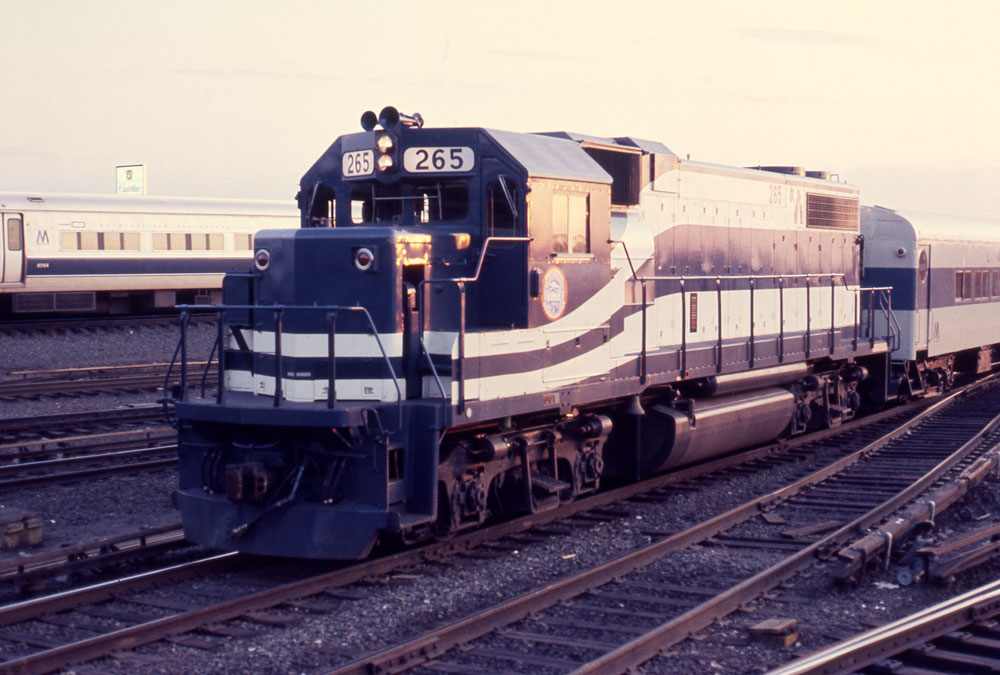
<point x="390" y="118"/>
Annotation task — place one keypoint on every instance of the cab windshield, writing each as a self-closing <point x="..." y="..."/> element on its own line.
<point x="409" y="203"/>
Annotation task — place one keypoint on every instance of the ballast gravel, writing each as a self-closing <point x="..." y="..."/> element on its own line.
<point x="410" y="602"/>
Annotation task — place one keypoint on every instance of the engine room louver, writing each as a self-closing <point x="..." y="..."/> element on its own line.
<point x="840" y="213"/>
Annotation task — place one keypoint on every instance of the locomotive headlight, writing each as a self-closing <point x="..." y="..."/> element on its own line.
<point x="386" y="146"/>
<point x="364" y="259"/>
<point x="262" y="259"/>
<point x="385" y="143"/>
<point x="384" y="163"/>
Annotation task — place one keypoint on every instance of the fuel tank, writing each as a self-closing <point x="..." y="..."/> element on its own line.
<point x="671" y="438"/>
<point x="748" y="380"/>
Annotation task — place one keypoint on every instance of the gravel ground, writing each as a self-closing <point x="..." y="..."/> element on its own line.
<point x="93" y="509"/>
<point x="409" y="603"/>
<point x="81" y="348"/>
<point x="417" y="599"/>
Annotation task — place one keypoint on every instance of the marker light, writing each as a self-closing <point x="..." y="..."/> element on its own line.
<point x="384" y="143"/>
<point x="384" y="162"/>
<point x="262" y="259"/>
<point x="364" y="259"/>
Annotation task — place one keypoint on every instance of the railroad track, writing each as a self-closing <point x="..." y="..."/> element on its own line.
<point x="202" y="611"/>
<point x="68" y="469"/>
<point x="26" y="452"/>
<point x="957" y="636"/>
<point x="622" y="613"/>
<point x="91" y="421"/>
<point x="31" y="573"/>
<point x="763" y="458"/>
<point x="40" y="461"/>
<point x="77" y="324"/>
<point x="69" y="381"/>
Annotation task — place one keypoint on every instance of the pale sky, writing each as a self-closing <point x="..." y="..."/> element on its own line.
<point x="237" y="99"/>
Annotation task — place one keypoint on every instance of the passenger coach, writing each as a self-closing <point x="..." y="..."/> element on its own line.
<point x="945" y="275"/>
<point x="77" y="253"/>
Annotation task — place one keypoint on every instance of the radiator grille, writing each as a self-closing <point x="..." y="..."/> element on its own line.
<point x="624" y="170"/>
<point x="840" y="213"/>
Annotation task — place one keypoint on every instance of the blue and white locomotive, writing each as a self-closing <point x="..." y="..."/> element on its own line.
<point x="474" y="322"/>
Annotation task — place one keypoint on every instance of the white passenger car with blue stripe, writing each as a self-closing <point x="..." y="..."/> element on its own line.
<point x="80" y="253"/>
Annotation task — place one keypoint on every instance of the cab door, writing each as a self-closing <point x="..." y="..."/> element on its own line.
<point x="12" y="240"/>
<point x="503" y="285"/>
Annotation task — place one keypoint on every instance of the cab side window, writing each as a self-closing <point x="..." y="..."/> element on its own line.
<point x="323" y="207"/>
<point x="501" y="209"/>
<point x="570" y="222"/>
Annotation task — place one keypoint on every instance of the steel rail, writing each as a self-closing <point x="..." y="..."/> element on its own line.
<point x="29" y="388"/>
<point x="649" y="645"/>
<point x="46" y="423"/>
<point x="42" y="566"/>
<point x="20" y="481"/>
<point x="27" y="463"/>
<point x="132" y="637"/>
<point x="880" y="643"/>
<point x="63" y="380"/>
<point x="429" y="646"/>
<point x="81" y="447"/>
<point x="87" y="323"/>
<point x="71" y="599"/>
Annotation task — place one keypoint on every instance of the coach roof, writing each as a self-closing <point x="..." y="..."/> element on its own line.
<point x="885" y="223"/>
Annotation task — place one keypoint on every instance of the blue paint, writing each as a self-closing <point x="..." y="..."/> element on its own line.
<point x="112" y="267"/>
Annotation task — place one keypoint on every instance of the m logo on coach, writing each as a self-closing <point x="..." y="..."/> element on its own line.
<point x="43" y="237"/>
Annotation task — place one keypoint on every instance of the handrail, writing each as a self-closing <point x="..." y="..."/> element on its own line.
<point x="460" y="282"/>
<point x="724" y="277"/>
<point x="885" y="291"/>
<point x="279" y="311"/>
<point x="430" y="362"/>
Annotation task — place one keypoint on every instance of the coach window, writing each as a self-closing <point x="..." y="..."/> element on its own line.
<point x="215" y="242"/>
<point x="89" y="241"/>
<point x="130" y="241"/>
<point x="112" y="241"/>
<point x="161" y="242"/>
<point x="242" y="242"/>
<point x="570" y="223"/>
<point x="14" y="242"/>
